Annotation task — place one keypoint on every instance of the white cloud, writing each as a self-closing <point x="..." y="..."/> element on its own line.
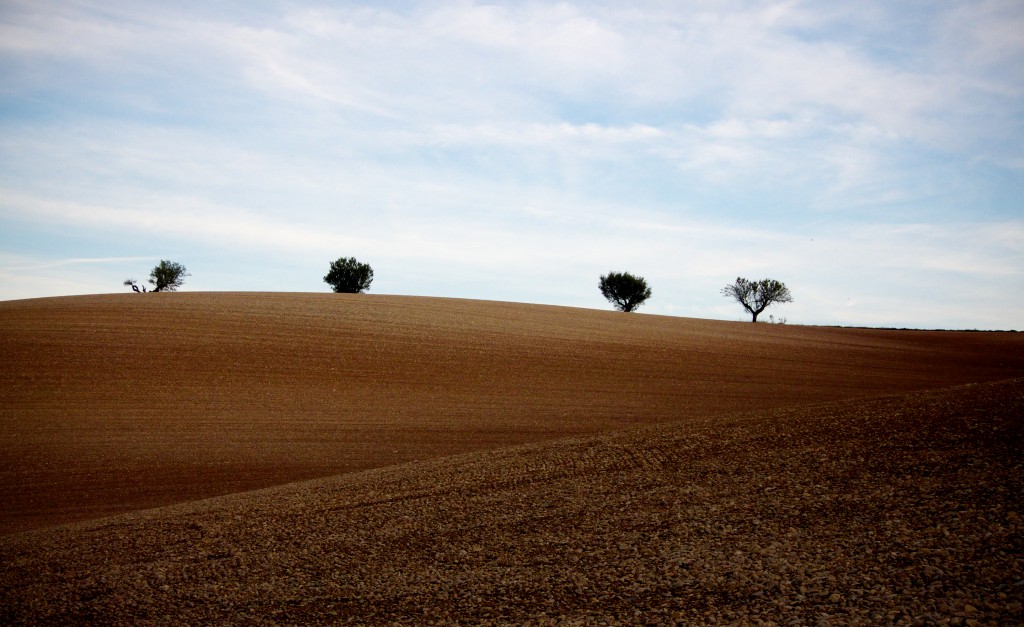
<point x="689" y="141"/>
<point x="34" y="277"/>
<point x="932" y="276"/>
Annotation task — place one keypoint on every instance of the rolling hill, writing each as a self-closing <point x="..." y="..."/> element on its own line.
<point x="120" y="402"/>
<point x="894" y="510"/>
<point x="321" y="458"/>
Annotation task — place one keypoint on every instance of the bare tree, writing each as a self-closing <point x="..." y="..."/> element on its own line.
<point x="135" y="286"/>
<point x="756" y="296"/>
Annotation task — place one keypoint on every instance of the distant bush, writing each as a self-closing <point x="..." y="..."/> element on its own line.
<point x="167" y="276"/>
<point x="348" y="276"/>
<point x="756" y="296"/>
<point x="625" y="291"/>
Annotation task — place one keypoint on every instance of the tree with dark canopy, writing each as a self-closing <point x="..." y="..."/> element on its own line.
<point x="167" y="276"/>
<point x="625" y="291"/>
<point x="756" y="296"/>
<point x="348" y="276"/>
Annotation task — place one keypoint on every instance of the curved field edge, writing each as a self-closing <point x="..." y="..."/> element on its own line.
<point x="114" y="403"/>
<point x="882" y="510"/>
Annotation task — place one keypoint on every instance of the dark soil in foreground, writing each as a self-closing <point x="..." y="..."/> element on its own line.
<point x="901" y="509"/>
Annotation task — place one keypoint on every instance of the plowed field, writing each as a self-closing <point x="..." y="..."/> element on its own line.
<point x="115" y="403"/>
<point x="898" y="510"/>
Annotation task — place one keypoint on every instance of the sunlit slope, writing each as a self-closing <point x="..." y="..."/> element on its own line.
<point x="119" y="402"/>
<point x="894" y="510"/>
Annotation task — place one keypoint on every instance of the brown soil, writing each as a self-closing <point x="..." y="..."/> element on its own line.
<point x="116" y="403"/>
<point x="899" y="510"/>
<point x="761" y="495"/>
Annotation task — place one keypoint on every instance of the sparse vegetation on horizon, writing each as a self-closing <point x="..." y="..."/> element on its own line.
<point x="349" y="276"/>
<point x="624" y="291"/>
<point x="166" y="276"/>
<point x="756" y="296"/>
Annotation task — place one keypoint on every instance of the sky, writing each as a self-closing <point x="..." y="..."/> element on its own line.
<point x="870" y="155"/>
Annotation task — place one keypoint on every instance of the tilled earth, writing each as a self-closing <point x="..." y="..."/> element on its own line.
<point x="900" y="509"/>
<point x="115" y="403"/>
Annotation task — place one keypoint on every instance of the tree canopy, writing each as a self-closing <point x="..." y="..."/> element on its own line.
<point x="625" y="291"/>
<point x="166" y="276"/>
<point x="756" y="296"/>
<point x="349" y="276"/>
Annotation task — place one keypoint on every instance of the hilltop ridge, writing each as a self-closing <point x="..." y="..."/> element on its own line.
<point x="114" y="403"/>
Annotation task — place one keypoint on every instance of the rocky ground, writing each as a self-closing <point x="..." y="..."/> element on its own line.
<point x="901" y="509"/>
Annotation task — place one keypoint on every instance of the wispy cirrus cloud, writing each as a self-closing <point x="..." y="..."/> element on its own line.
<point x="691" y="141"/>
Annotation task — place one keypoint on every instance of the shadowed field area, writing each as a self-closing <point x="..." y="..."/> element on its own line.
<point x="122" y="402"/>
<point x="894" y="510"/>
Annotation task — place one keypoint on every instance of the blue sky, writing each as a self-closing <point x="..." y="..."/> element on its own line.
<point x="869" y="154"/>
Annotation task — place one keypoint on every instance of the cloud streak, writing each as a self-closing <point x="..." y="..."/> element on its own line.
<point x="686" y="143"/>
